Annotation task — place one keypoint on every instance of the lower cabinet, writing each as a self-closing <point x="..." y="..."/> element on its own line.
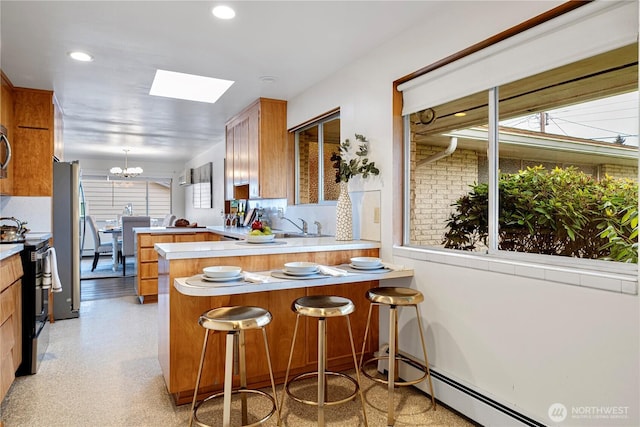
<point x="147" y="258"/>
<point x="10" y="320"/>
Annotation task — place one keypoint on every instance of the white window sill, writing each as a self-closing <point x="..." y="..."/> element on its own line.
<point x="625" y="281"/>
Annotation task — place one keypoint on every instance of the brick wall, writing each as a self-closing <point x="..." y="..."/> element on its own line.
<point x="435" y="186"/>
<point x="619" y="171"/>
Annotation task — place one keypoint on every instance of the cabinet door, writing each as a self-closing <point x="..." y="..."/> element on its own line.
<point x="228" y="166"/>
<point x="33" y="174"/>
<point x="255" y="152"/>
<point x="7" y="120"/>
<point x="241" y="152"/>
<point x="33" y="108"/>
<point x="273" y="164"/>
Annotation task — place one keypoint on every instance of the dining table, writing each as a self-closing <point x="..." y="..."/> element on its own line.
<point x="115" y="232"/>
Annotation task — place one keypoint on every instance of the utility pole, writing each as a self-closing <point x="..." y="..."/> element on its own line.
<point x="544" y="117"/>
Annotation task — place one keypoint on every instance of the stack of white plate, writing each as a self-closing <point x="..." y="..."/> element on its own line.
<point x="260" y="238"/>
<point x="221" y="273"/>
<point x="366" y="263"/>
<point x="300" y="268"/>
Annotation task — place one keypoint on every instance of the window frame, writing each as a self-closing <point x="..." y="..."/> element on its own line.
<point x="320" y="121"/>
<point x="604" y="275"/>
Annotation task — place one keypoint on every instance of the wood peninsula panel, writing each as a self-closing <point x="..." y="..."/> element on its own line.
<point x="180" y="336"/>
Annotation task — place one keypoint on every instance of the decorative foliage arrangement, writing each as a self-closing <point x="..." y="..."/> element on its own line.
<point x="558" y="212"/>
<point x="348" y="165"/>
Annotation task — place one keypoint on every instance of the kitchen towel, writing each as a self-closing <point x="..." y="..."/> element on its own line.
<point x="254" y="278"/>
<point x="50" y="277"/>
<point x="331" y="271"/>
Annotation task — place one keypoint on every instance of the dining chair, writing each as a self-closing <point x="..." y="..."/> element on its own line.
<point x="99" y="247"/>
<point x="168" y="221"/>
<point x="128" y="237"/>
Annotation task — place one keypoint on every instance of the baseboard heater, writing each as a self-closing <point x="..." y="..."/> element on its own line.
<point x="461" y="398"/>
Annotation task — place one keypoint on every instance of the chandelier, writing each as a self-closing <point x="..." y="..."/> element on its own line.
<point x="127" y="172"/>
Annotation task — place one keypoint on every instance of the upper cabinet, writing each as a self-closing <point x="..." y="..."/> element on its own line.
<point x="256" y="152"/>
<point x="6" y="119"/>
<point x="33" y="142"/>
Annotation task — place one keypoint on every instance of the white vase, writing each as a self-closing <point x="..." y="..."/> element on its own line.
<point x="344" y="220"/>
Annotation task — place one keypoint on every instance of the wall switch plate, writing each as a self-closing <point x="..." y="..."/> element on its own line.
<point x="376" y="215"/>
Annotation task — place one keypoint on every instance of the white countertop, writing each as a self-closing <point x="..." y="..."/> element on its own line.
<point x="240" y="248"/>
<point x="171" y="230"/>
<point x="235" y="232"/>
<point x="197" y="287"/>
<point x="6" y="250"/>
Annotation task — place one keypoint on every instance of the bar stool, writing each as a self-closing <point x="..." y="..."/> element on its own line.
<point x="322" y="307"/>
<point x="394" y="298"/>
<point x="234" y="321"/>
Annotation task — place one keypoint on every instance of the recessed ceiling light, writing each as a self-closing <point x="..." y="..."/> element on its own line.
<point x="171" y="84"/>
<point x="460" y="114"/>
<point x="81" y="56"/>
<point x="267" y="79"/>
<point x="223" y="12"/>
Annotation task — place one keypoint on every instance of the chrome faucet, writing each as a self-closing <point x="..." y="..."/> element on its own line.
<point x="305" y="226"/>
<point x="318" y="227"/>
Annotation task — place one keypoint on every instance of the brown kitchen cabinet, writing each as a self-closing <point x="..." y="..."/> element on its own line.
<point x="256" y="150"/>
<point x="147" y="259"/>
<point x="10" y="320"/>
<point x="33" y="142"/>
<point x="6" y="120"/>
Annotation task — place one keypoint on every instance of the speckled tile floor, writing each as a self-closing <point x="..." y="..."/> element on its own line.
<point x="102" y="370"/>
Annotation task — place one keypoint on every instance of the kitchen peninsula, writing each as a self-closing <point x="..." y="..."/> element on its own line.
<point x="180" y="336"/>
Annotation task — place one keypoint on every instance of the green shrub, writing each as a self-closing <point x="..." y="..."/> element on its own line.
<point x="559" y="212"/>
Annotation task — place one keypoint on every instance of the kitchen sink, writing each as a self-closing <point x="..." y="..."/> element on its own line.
<point x="291" y="234"/>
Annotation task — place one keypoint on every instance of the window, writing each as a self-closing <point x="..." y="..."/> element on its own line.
<point x="545" y="163"/>
<point x="315" y="174"/>
<point x="105" y="200"/>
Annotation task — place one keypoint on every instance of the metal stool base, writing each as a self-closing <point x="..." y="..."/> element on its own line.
<point x="239" y="391"/>
<point x="328" y="402"/>
<point x="399" y="358"/>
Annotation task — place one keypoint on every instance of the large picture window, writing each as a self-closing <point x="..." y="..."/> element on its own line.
<point x="543" y="164"/>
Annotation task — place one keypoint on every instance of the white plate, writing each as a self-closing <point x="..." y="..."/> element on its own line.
<point x="263" y="238"/>
<point x="221" y="279"/>
<point x="368" y="267"/>
<point x="366" y="261"/>
<point x="304" y="273"/>
<point x="221" y="271"/>
<point x="300" y="267"/>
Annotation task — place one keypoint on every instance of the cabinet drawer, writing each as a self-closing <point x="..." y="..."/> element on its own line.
<point x="148" y="254"/>
<point x="148" y="240"/>
<point x="149" y="270"/>
<point x="147" y="287"/>
<point x="190" y="237"/>
<point x="7" y="304"/>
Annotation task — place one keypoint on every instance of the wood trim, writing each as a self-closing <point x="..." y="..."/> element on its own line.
<point x="315" y="119"/>
<point x="397" y="128"/>
<point x="524" y="26"/>
<point x="6" y="79"/>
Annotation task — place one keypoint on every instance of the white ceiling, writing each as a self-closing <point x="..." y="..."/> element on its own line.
<point x="106" y="103"/>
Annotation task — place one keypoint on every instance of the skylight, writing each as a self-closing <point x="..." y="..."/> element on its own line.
<point x="171" y="84"/>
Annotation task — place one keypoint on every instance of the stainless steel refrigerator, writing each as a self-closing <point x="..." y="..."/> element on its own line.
<point x="66" y="237"/>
